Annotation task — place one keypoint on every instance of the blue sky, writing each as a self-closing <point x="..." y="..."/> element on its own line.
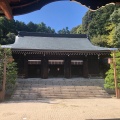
<point x="57" y="15"/>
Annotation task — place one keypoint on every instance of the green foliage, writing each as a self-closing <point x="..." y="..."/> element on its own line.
<point x="64" y="31"/>
<point x="11" y="69"/>
<point x="100" y="40"/>
<point x="116" y="36"/>
<point x="11" y="75"/>
<point x="44" y="29"/>
<point x="109" y="80"/>
<point x="7" y="34"/>
<point x="115" y="16"/>
<point x="103" y="24"/>
<point x="77" y="30"/>
<point x="31" y="27"/>
<point x="10" y="38"/>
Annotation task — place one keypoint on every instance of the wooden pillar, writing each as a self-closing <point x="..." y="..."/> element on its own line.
<point x="67" y="68"/>
<point x="44" y="68"/>
<point x="85" y="67"/>
<point x="25" y="67"/>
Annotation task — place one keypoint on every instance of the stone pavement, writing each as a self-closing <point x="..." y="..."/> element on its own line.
<point x="37" y="88"/>
<point x="61" y="109"/>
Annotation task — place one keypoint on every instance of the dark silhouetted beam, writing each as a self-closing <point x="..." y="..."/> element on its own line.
<point x="4" y="5"/>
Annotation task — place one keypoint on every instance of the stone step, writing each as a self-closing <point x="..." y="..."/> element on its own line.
<point x="57" y="97"/>
<point x="35" y="89"/>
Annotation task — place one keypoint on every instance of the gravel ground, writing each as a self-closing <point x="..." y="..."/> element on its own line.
<point x="61" y="109"/>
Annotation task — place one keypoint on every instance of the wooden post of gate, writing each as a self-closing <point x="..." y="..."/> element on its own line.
<point x="118" y="92"/>
<point x="115" y="74"/>
<point x="3" y="89"/>
<point x="4" y="77"/>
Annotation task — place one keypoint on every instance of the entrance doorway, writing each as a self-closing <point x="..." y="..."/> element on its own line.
<point x="56" y="68"/>
<point x="76" y="68"/>
<point x="34" y="68"/>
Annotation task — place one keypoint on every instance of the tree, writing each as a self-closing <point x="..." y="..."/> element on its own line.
<point x="109" y="79"/>
<point x="100" y="40"/>
<point x="115" y="16"/>
<point x="20" y="26"/>
<point x="98" y="25"/>
<point x="74" y="30"/>
<point x="77" y="30"/>
<point x="7" y="34"/>
<point x="44" y="29"/>
<point x="115" y="19"/>
<point x="10" y="38"/>
<point x="50" y="30"/>
<point x="64" y="31"/>
<point x="116" y="36"/>
<point x="4" y="26"/>
<point x="32" y="27"/>
<point x="11" y="69"/>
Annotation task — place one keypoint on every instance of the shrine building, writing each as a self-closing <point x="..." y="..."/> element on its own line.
<point x="56" y="55"/>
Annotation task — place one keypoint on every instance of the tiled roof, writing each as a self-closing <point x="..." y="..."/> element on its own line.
<point x="54" y="42"/>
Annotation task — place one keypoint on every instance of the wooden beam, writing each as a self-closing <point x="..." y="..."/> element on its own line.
<point x="4" y="5"/>
<point x="117" y="3"/>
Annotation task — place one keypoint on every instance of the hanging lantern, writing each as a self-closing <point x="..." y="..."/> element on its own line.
<point x="10" y="59"/>
<point x="110" y="60"/>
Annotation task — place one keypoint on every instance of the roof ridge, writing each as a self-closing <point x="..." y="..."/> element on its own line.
<point x="39" y="34"/>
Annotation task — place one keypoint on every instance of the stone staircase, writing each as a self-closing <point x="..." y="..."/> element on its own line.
<point x="61" y="88"/>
